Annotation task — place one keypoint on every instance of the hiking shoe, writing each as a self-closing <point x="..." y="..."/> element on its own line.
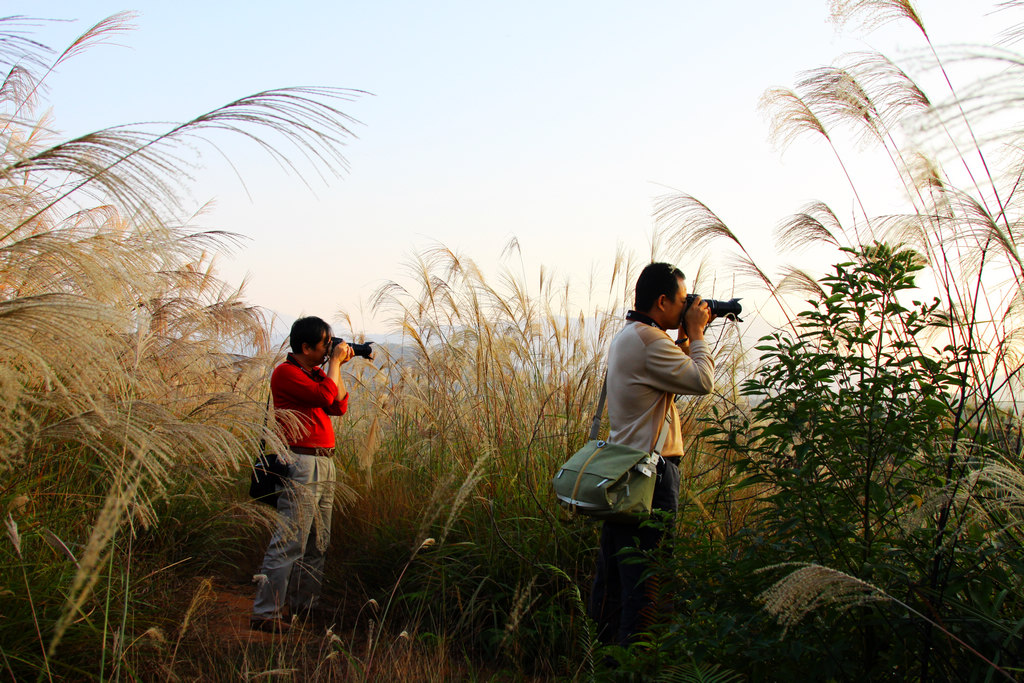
<point x="269" y="625"/>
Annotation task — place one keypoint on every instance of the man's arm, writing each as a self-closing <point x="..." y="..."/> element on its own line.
<point x="340" y="354"/>
<point x="670" y="369"/>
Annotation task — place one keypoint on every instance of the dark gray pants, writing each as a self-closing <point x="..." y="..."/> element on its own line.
<point x="622" y="601"/>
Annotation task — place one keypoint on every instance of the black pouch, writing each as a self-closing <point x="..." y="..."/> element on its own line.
<point x="268" y="474"/>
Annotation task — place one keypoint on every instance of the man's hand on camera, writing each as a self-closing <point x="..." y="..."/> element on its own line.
<point x="342" y="353"/>
<point x="695" y="319"/>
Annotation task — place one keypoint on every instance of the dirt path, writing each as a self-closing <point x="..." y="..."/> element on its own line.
<point x="230" y="608"/>
<point x="229" y="615"/>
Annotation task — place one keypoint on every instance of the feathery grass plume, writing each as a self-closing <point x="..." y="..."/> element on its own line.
<point x="698" y="673"/>
<point x="12" y="533"/>
<point x="811" y="587"/>
<point x="522" y="603"/>
<point x="692" y="223"/>
<point x="18" y="85"/>
<point x="925" y="175"/>
<point x="816" y="223"/>
<point x="138" y="167"/>
<point x="839" y="95"/>
<point x="891" y="95"/>
<point x="742" y="269"/>
<point x="874" y="13"/>
<point x="838" y="98"/>
<point x="101" y="32"/>
<point x="789" y="117"/>
<point x="975" y="227"/>
<point x="1004" y="488"/>
<point x="921" y="232"/>
<point x="200" y="597"/>
<point x="692" y="226"/>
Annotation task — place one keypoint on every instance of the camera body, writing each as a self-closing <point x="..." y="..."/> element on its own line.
<point x="719" y="309"/>
<point x="362" y="350"/>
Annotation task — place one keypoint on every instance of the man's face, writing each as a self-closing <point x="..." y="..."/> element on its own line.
<point x="315" y="355"/>
<point x="672" y="309"/>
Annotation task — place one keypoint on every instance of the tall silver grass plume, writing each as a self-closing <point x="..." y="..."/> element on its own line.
<point x="874" y="13"/>
<point x="1006" y="487"/>
<point x="12" y="533"/>
<point x="19" y="504"/>
<point x="789" y="117"/>
<point x="474" y="476"/>
<point x="520" y="606"/>
<point x="155" y="634"/>
<point x="811" y="587"/>
<point x="815" y="223"/>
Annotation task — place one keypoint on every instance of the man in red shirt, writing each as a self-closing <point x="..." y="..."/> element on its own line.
<point x="304" y="398"/>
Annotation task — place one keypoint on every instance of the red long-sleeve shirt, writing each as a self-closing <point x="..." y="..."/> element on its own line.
<point x="309" y="396"/>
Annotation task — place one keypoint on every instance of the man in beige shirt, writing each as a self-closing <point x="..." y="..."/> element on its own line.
<point x="645" y="369"/>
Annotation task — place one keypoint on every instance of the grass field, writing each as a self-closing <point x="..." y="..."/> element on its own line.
<point x="852" y="490"/>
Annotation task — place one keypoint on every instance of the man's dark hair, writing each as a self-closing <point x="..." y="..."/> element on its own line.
<point x="656" y="279"/>
<point x="309" y="330"/>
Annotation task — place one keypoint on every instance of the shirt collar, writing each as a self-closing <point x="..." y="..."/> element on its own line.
<point x="636" y="316"/>
<point x="316" y="373"/>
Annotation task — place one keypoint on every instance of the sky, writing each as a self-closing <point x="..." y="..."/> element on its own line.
<point x="555" y="123"/>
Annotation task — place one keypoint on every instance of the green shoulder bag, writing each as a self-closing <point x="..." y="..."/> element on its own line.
<point x="610" y="481"/>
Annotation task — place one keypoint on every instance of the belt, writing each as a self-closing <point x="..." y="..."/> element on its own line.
<point x="303" y="450"/>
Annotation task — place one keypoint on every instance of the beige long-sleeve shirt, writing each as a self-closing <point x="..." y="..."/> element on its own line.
<point x="644" y="365"/>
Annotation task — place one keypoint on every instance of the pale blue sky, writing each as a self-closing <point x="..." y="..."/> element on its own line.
<point x="554" y="122"/>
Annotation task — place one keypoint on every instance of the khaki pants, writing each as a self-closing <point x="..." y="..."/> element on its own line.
<point x="293" y="567"/>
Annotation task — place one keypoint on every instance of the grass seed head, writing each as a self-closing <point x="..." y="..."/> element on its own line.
<point x="12" y="533"/>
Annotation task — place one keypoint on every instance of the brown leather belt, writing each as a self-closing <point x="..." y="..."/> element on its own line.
<point x="303" y="450"/>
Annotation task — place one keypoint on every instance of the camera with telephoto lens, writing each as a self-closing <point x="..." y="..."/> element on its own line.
<point x="719" y="309"/>
<point x="363" y="350"/>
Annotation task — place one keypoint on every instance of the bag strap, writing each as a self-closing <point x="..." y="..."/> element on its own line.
<point x="595" y="425"/>
<point x="661" y="435"/>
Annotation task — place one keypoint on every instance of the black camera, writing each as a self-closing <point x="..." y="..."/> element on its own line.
<point x="719" y="309"/>
<point x="363" y="350"/>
